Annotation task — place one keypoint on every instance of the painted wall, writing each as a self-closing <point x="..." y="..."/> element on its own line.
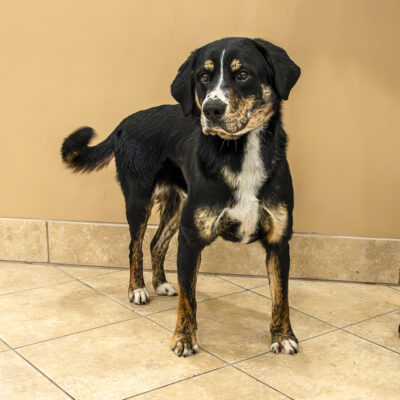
<point x="71" y="63"/>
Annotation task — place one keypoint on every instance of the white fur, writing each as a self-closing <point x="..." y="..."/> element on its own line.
<point x="166" y="289"/>
<point x="248" y="182"/>
<point x="218" y="93"/>
<point x="141" y="296"/>
<point x="287" y="346"/>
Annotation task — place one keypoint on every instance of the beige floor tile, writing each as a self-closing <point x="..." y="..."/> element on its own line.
<point x="333" y="366"/>
<point x="16" y="276"/>
<point x="246" y="282"/>
<point x="226" y="383"/>
<point x="116" y="286"/>
<point x="116" y="361"/>
<point x="382" y="330"/>
<point x="395" y="287"/>
<point x="340" y="303"/>
<point x="86" y="272"/>
<point x="48" y="312"/>
<point x="237" y="326"/>
<point x="20" y="381"/>
<point x="3" y="347"/>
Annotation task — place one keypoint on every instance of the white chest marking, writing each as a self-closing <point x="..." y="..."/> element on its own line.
<point x="248" y="182"/>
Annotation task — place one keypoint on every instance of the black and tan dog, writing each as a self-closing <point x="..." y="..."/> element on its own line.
<point x="216" y="164"/>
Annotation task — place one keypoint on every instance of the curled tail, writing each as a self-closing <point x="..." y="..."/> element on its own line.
<point x="78" y="156"/>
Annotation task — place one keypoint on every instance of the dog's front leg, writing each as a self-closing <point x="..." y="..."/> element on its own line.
<point x="184" y="341"/>
<point x="278" y="260"/>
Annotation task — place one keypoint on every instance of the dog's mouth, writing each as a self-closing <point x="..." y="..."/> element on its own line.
<point x="223" y="134"/>
<point x="214" y="130"/>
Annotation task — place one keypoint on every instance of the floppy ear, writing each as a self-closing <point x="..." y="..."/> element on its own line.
<point x="286" y="72"/>
<point x="182" y="86"/>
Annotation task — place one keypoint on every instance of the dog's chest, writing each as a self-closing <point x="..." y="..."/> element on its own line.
<point x="244" y="214"/>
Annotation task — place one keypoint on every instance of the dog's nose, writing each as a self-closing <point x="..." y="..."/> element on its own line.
<point x="213" y="110"/>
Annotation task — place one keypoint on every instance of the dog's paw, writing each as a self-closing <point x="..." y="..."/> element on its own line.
<point x="166" y="289"/>
<point x="184" y="345"/>
<point x="138" y="296"/>
<point x="285" y="346"/>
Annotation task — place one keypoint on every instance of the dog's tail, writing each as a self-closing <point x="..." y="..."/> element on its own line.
<point x="78" y="156"/>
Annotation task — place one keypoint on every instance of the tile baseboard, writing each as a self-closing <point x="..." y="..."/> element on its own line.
<point x="313" y="256"/>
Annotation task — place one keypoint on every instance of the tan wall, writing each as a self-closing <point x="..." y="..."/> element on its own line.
<point x="71" y="63"/>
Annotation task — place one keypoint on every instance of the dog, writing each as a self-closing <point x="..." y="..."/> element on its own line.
<point x="216" y="165"/>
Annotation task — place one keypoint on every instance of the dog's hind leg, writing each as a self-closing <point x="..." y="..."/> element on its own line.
<point x="170" y="200"/>
<point x="138" y="210"/>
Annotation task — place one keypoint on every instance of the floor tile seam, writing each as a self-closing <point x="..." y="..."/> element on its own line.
<point x="29" y="362"/>
<point x="38" y="287"/>
<point x="301" y="312"/>
<point x="59" y="268"/>
<point x="264" y="383"/>
<point x="370" y="318"/>
<point x="108" y="296"/>
<point x="199" y="302"/>
<point x="176" y="382"/>
<point x="76" y="332"/>
<point x="237" y="284"/>
<point x="371" y="341"/>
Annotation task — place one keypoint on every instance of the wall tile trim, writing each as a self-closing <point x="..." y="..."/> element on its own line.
<point x="313" y="256"/>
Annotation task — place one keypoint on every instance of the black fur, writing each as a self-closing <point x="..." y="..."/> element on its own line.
<point x="167" y="147"/>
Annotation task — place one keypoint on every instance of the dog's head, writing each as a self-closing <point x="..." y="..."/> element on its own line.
<point x="235" y="84"/>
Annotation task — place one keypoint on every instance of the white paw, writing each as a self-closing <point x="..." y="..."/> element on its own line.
<point x="166" y="289"/>
<point x="139" y="296"/>
<point x="286" y="346"/>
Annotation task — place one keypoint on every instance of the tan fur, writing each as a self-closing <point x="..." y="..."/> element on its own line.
<point x="236" y="65"/>
<point x="209" y="65"/>
<point x="136" y="266"/>
<point x="186" y="325"/>
<point x="229" y="177"/>
<point x="205" y="221"/>
<point x="275" y="221"/>
<point x="196" y="97"/>
<point x="170" y="202"/>
<point x="280" y="322"/>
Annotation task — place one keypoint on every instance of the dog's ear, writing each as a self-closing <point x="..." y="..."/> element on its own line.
<point x="182" y="86"/>
<point x="285" y="71"/>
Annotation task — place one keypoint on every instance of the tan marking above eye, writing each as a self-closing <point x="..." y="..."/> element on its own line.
<point x="235" y="65"/>
<point x="209" y="65"/>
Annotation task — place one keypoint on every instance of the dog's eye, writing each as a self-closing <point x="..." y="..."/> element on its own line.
<point x="204" y="77"/>
<point x="242" y="76"/>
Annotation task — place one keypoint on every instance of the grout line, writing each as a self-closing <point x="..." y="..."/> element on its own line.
<point x="37" y="369"/>
<point x="302" y="312"/>
<point x="75" y="333"/>
<point x="72" y="278"/>
<point x="237" y="284"/>
<point x="370" y="341"/>
<point x="367" y="319"/>
<point x="264" y="383"/>
<point x="47" y="238"/>
<point x="37" y="287"/>
<point x="173" y="383"/>
<point x="55" y="264"/>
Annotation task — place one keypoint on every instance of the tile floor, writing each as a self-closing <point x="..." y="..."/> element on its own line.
<point x="70" y="333"/>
